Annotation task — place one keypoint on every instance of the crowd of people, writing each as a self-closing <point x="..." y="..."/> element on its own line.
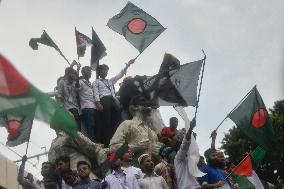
<point x="136" y="155"/>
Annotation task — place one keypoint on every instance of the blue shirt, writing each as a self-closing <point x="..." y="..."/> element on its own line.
<point x="213" y="174"/>
<point x="91" y="184"/>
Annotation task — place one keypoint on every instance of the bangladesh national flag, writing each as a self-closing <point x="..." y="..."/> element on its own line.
<point x="98" y="50"/>
<point x="252" y="118"/>
<point x="82" y="42"/>
<point x="21" y="99"/>
<point x="138" y="27"/>
<point x="18" y="127"/>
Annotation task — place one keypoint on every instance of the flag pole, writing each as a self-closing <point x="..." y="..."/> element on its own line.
<point x="233" y="110"/>
<point x="28" y="142"/>
<point x="199" y="91"/>
<point x="240" y="163"/>
<point x="57" y="48"/>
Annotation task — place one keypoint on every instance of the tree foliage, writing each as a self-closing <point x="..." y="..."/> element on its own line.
<point x="236" y="145"/>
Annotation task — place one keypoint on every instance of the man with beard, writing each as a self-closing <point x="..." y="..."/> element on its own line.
<point x="85" y="182"/>
<point x="150" y="180"/>
<point x="215" y="177"/>
<point x="137" y="133"/>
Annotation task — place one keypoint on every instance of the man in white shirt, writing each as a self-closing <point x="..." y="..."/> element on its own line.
<point x="119" y="179"/>
<point x="126" y="160"/>
<point x="184" y="178"/>
<point x="87" y="101"/>
<point x="107" y="103"/>
<point x="150" y="180"/>
<point x="67" y="93"/>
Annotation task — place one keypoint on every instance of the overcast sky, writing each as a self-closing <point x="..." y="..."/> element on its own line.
<point x="243" y="40"/>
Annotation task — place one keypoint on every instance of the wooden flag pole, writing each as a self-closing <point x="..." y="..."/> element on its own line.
<point x="201" y="79"/>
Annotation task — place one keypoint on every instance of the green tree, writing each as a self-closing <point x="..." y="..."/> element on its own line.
<point x="236" y="145"/>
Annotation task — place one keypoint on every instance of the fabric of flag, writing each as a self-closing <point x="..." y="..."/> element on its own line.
<point x="252" y="118"/>
<point x="138" y="27"/>
<point x="254" y="179"/>
<point x="258" y="155"/>
<point x="193" y="155"/>
<point x="20" y="98"/>
<point x="45" y="40"/>
<point x="82" y="42"/>
<point x="245" y="168"/>
<point x="19" y="128"/>
<point x="242" y="182"/>
<point x="185" y="81"/>
<point x="98" y="50"/>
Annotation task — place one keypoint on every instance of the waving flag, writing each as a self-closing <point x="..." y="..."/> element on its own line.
<point x="179" y="85"/>
<point x="252" y="118"/>
<point x="138" y="27"/>
<point x="19" y="128"/>
<point x="98" y="50"/>
<point x="45" y="40"/>
<point x="82" y="42"/>
<point x="21" y="99"/>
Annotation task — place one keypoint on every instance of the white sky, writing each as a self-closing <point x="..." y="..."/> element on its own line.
<point x="243" y="40"/>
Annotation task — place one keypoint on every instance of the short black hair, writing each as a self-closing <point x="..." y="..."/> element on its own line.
<point x="85" y="68"/>
<point x="83" y="163"/>
<point x="173" y="118"/>
<point x="62" y="158"/>
<point x="208" y="152"/>
<point x="103" y="66"/>
<point x="69" y="70"/>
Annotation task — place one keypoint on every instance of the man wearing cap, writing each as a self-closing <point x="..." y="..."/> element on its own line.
<point x="137" y="132"/>
<point x="150" y="180"/>
<point x="107" y="103"/>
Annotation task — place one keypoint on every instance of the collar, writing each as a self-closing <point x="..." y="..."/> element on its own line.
<point x="115" y="173"/>
<point x="152" y="175"/>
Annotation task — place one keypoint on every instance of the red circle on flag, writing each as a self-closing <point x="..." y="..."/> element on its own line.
<point x="14" y="128"/>
<point x="137" y="26"/>
<point x="12" y="83"/>
<point x="259" y="118"/>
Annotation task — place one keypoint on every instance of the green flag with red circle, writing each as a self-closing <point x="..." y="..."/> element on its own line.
<point x="18" y="97"/>
<point x="138" y="27"/>
<point x="252" y="118"/>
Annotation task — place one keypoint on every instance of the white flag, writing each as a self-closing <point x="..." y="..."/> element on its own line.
<point x="193" y="152"/>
